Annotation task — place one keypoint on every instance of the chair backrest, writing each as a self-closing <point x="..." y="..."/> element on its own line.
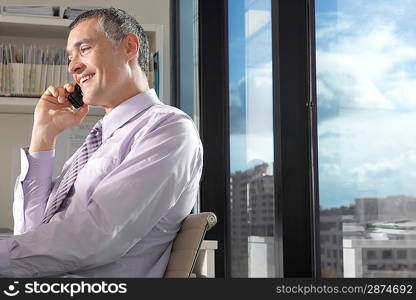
<point x="187" y="243"/>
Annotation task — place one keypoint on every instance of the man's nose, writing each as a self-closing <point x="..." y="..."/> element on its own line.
<point x="75" y="67"/>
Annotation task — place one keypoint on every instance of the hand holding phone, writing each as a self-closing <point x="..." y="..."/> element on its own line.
<point x="75" y="98"/>
<point x="52" y="116"/>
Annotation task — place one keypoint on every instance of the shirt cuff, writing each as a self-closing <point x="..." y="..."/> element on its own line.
<point x="5" y="268"/>
<point x="36" y="164"/>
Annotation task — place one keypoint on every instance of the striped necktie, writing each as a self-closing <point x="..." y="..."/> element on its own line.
<point x="92" y="142"/>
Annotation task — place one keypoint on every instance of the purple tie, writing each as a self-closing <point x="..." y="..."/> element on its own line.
<point x="92" y="142"/>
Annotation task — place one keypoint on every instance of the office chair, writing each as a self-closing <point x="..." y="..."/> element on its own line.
<point x="187" y="244"/>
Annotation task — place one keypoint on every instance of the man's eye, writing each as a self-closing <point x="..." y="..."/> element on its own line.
<point x="83" y="49"/>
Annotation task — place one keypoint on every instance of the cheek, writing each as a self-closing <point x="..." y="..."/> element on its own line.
<point x="117" y="73"/>
<point x="111" y="69"/>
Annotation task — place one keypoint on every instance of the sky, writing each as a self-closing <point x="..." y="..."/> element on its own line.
<point x="251" y="102"/>
<point x="366" y="86"/>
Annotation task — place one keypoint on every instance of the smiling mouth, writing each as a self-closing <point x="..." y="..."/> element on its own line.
<point x="86" y="78"/>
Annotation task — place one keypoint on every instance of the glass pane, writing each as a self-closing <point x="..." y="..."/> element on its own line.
<point x="188" y="63"/>
<point x="189" y="55"/>
<point x="366" y="85"/>
<point x="253" y="248"/>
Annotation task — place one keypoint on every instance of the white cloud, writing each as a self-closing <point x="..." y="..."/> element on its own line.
<point x="255" y="20"/>
<point x="369" y="151"/>
<point x="329" y="29"/>
<point x="257" y="142"/>
<point x="357" y="67"/>
<point x="259" y="100"/>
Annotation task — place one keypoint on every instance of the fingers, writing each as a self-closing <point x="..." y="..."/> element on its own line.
<point x="69" y="87"/>
<point x="57" y="92"/>
<point x="51" y="91"/>
<point x="60" y="93"/>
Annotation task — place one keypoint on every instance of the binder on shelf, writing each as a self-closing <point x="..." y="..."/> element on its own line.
<point x="72" y="12"/>
<point x="31" y="10"/>
<point x="6" y="71"/>
<point x="151" y="77"/>
<point x="25" y="67"/>
<point x="17" y="68"/>
<point x="1" y="68"/>
<point x="27" y="71"/>
<point x="156" y="72"/>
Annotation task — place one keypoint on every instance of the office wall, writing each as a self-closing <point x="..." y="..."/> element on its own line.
<point x="10" y="124"/>
<point x="15" y="129"/>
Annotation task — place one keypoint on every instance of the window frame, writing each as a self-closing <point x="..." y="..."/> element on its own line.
<point x="214" y="95"/>
<point x="295" y="128"/>
<point x="296" y="191"/>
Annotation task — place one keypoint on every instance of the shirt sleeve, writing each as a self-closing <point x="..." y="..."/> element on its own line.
<point x="124" y="207"/>
<point x="32" y="189"/>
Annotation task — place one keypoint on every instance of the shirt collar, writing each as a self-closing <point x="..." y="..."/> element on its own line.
<point x="126" y="110"/>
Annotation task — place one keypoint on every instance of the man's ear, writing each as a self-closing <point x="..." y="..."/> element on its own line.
<point x="131" y="45"/>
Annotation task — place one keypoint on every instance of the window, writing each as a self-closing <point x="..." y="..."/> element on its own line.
<point x="251" y="137"/>
<point x="188" y="58"/>
<point x="387" y="254"/>
<point x="402" y="254"/>
<point x="187" y="79"/>
<point x="324" y="239"/>
<point x="371" y="254"/>
<point x="366" y="78"/>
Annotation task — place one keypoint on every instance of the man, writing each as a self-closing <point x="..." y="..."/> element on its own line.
<point x="120" y="200"/>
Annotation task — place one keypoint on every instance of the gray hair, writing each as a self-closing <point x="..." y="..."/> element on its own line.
<point x="116" y="24"/>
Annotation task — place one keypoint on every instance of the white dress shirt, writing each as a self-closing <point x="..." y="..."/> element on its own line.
<point x="126" y="204"/>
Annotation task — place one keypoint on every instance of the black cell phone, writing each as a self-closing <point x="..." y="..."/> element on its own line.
<point x="75" y="98"/>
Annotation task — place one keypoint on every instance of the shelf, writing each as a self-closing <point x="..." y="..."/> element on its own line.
<point x="49" y="27"/>
<point x="24" y="26"/>
<point x="34" y="20"/>
<point x="17" y="105"/>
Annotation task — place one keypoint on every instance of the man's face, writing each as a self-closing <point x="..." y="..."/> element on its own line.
<point x="96" y="64"/>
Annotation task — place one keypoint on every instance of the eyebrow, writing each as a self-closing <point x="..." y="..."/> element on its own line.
<point x="77" y="44"/>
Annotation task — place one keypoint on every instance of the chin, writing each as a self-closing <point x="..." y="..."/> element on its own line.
<point x="88" y="102"/>
<point x="94" y="99"/>
<point x="88" y="99"/>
